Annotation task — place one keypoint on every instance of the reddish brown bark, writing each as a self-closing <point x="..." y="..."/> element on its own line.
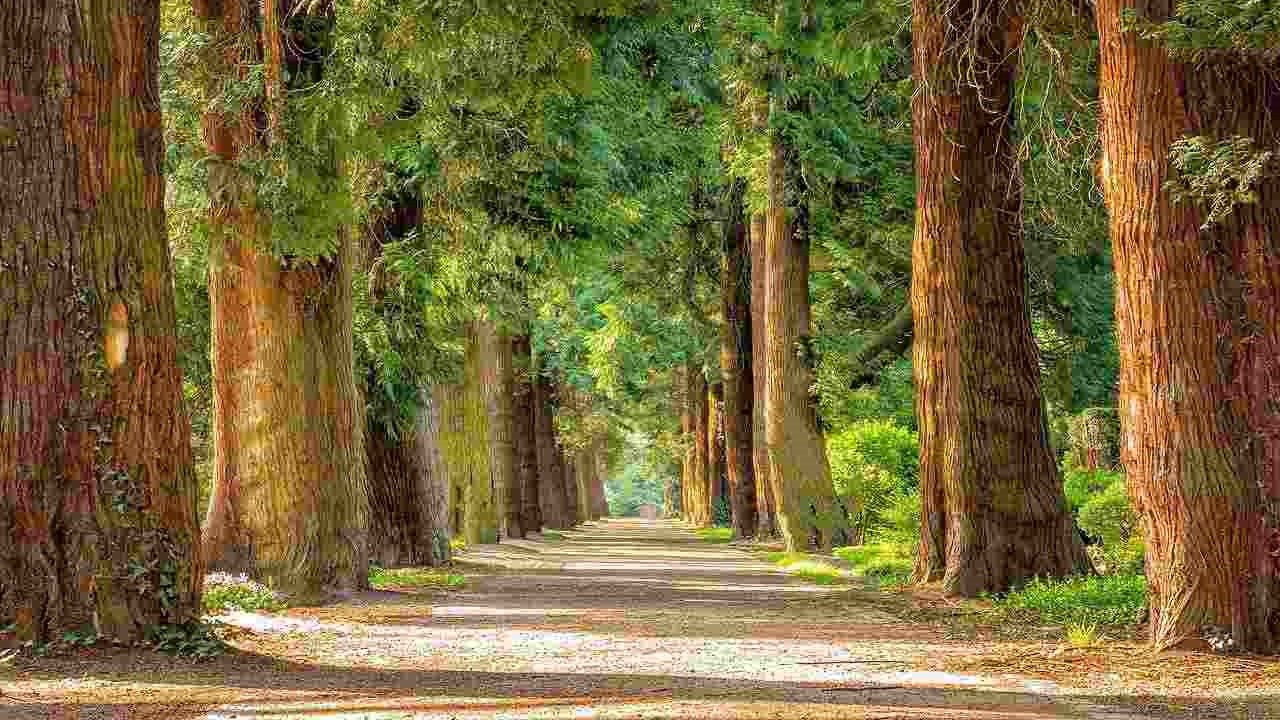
<point x="1198" y="316"/>
<point x="993" y="509"/>
<point x="766" y="522"/>
<point x="97" y="490"/>
<point x="524" y="436"/>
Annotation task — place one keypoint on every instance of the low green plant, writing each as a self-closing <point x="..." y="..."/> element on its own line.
<point x="1115" y="600"/>
<point x="224" y="592"/>
<point x="889" y="562"/>
<point x="715" y="534"/>
<point x="413" y="578"/>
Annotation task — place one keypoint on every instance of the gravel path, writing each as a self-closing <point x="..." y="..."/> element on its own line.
<point x="619" y="619"/>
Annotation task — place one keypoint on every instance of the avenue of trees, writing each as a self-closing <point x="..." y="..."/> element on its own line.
<point x="293" y="287"/>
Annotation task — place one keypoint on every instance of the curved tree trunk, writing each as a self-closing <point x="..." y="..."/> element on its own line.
<point x="1198" y="315"/>
<point x="555" y="513"/>
<point x="96" y="470"/>
<point x="766" y="520"/>
<point x="499" y="388"/>
<point x="808" y="514"/>
<point x="993" y="509"/>
<point x="736" y="364"/>
<point x="524" y="435"/>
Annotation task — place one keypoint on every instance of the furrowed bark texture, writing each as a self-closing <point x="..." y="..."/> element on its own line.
<point x="807" y="512"/>
<point x="766" y="521"/>
<point x="736" y="365"/>
<point x="555" y="513"/>
<point x="524" y="435"/>
<point x="993" y="510"/>
<point x="499" y="388"/>
<point x="1198" y="316"/>
<point x="697" y="481"/>
<point x="97" y="490"/>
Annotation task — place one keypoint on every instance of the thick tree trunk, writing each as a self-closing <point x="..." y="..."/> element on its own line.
<point x="808" y="514"/>
<point x="96" y="474"/>
<point x="1198" y="314"/>
<point x="736" y="365"/>
<point x="408" y="495"/>
<point x="524" y="435"/>
<point x="766" y="520"/>
<point x="993" y="509"/>
<point x="698" y="480"/>
<point x="499" y="390"/>
<point x="555" y="513"/>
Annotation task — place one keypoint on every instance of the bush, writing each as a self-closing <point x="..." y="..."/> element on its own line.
<point x="874" y="463"/>
<point x="1112" y="600"/>
<point x="224" y="592"/>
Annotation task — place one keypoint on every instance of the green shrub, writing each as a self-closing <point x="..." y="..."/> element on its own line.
<point x="1110" y="600"/>
<point x="889" y="562"/>
<point x="224" y="592"/>
<point x="873" y="464"/>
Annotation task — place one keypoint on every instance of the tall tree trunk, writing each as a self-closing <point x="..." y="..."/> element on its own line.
<point x="499" y="389"/>
<point x="524" y="435"/>
<point x="993" y="509"/>
<point x="1198" y="314"/>
<point x="736" y="364"/>
<point x="698" y="492"/>
<point x="808" y="514"/>
<point x="555" y="514"/>
<point x="766" y="520"/>
<point x="408" y="492"/>
<point x="96" y="474"/>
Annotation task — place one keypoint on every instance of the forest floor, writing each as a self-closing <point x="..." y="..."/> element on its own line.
<point x="635" y="619"/>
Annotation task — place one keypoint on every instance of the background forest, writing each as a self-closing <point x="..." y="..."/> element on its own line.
<point x="453" y="272"/>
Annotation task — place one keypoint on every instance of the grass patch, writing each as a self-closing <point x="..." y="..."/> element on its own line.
<point x="1115" y="600"/>
<point x="414" y="579"/>
<point x="224" y="592"/>
<point x="888" y="562"/>
<point x="807" y="567"/>
<point x="715" y="534"/>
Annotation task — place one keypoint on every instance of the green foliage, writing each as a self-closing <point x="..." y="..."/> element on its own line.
<point x="1218" y="174"/>
<point x="889" y="562"/>
<point x="224" y="592"/>
<point x="874" y="464"/>
<point x="1109" y="600"/>
<point x="414" y="579"/>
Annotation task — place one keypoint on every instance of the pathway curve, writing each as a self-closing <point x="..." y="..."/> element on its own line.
<point x="618" y="619"/>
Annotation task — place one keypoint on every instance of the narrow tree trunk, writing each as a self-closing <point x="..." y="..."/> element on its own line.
<point x="698" y="507"/>
<point x="1198" y="315"/>
<point x="499" y="389"/>
<point x="993" y="509"/>
<point x="555" y="514"/>
<point x="408" y="496"/>
<point x="766" y="520"/>
<point x="524" y="435"/>
<point x="736" y="365"/>
<point x="97" y="490"/>
<point x="807" y="512"/>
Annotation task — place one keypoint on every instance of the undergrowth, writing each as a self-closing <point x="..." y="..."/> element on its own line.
<point x="413" y="578"/>
<point x="1115" y="600"/>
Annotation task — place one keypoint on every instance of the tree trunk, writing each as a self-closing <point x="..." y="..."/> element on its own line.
<point x="408" y="494"/>
<point x="1198" y="314"/>
<point x="499" y="389"/>
<point x="808" y="514"/>
<point x="555" y="514"/>
<point x="766" y="520"/>
<point x="96" y="475"/>
<point x="735" y="365"/>
<point x="993" y="510"/>
<point x="524" y="436"/>
<point x="698" y="491"/>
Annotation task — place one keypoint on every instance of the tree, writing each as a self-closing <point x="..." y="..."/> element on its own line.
<point x="993" y="509"/>
<point x="97" y="491"/>
<point x="736" y="364"/>
<point x="1198" y="304"/>
<point x="807" y="512"/>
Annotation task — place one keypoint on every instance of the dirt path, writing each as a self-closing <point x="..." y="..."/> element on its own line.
<point x="620" y="619"/>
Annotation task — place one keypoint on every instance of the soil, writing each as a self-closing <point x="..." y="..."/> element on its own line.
<point x="635" y="619"/>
